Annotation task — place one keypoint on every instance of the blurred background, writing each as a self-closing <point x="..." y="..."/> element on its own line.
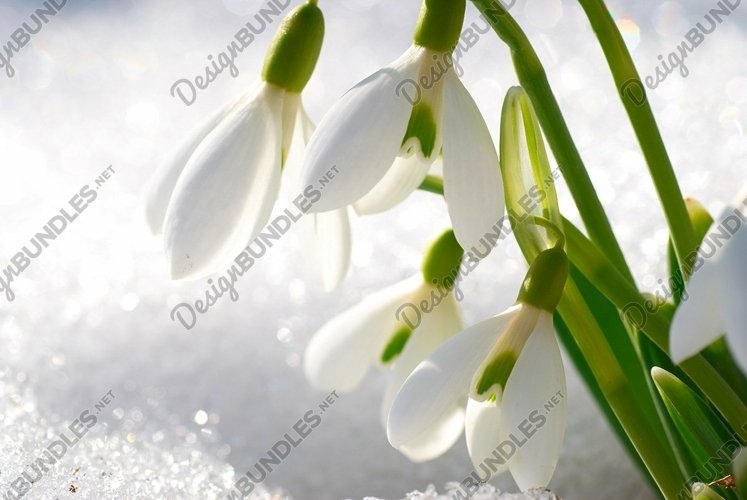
<point x="91" y="314"/>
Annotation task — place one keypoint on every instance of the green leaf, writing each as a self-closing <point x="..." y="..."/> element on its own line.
<point x="616" y="335"/>
<point x="636" y="414"/>
<point x="571" y="347"/>
<point x="706" y="436"/>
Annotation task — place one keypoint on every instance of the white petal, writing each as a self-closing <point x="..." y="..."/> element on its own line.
<point x="307" y="126"/>
<point x="472" y="179"/>
<point x="161" y="185"/>
<point x="534" y="408"/>
<point x="326" y="234"/>
<point x="434" y="329"/>
<point x="404" y="177"/>
<point x="439" y="386"/>
<point x="441" y="435"/>
<point x="227" y="190"/>
<point x="361" y="135"/>
<point x="733" y="270"/>
<point x="340" y="353"/>
<point x="698" y="319"/>
<point x="292" y="121"/>
<point x="292" y="185"/>
<point x="482" y="428"/>
<point x="327" y="241"/>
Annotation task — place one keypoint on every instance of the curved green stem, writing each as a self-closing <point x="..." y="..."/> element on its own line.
<point x="559" y="236"/>
<point x="644" y="315"/>
<point x="534" y="80"/>
<point x="432" y="184"/>
<point x="633" y="96"/>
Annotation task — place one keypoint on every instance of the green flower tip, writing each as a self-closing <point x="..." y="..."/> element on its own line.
<point x="545" y="280"/>
<point x="295" y="49"/>
<point x="395" y="345"/>
<point x="661" y="376"/>
<point x="699" y="217"/>
<point x="440" y="24"/>
<point x="673" y="389"/>
<point x="496" y="373"/>
<point x="442" y="260"/>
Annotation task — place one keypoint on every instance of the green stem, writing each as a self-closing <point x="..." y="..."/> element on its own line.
<point x="532" y="77"/>
<point x="552" y="228"/>
<point x="648" y="439"/>
<point x="644" y="124"/>
<point x="595" y="266"/>
<point x="432" y="184"/>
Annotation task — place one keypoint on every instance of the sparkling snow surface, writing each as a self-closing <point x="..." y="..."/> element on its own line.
<point x="91" y="313"/>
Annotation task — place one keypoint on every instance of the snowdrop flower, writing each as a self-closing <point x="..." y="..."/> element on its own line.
<point x="326" y="235"/>
<point x="213" y="196"/>
<point x="385" y="133"/>
<point x="397" y="327"/>
<point x="716" y="300"/>
<point x="509" y="372"/>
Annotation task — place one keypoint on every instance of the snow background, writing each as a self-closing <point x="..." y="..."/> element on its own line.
<point x="92" y="312"/>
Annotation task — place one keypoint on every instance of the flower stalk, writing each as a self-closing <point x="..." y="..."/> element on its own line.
<point x="644" y="124"/>
<point x="533" y="78"/>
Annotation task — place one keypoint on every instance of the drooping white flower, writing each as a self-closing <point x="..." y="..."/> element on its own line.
<point x="715" y="303"/>
<point x="396" y="327"/>
<point x="502" y="381"/>
<point x="384" y="134"/>
<point x="326" y="236"/>
<point x="216" y="192"/>
<point x="224" y="192"/>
